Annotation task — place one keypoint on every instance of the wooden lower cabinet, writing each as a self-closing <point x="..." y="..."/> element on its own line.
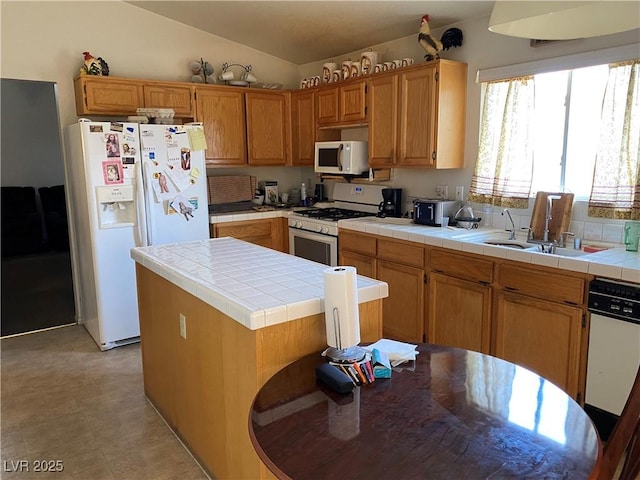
<point x="271" y="233"/>
<point x="403" y="309"/>
<point x="459" y="313"/>
<point x="365" y="265"/>
<point x="542" y="336"/>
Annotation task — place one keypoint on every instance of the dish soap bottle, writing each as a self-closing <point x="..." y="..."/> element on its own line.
<point x="303" y="194"/>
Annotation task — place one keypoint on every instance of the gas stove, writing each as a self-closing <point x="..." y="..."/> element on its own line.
<point x="334" y="214"/>
<point x="351" y="201"/>
<point x="313" y="233"/>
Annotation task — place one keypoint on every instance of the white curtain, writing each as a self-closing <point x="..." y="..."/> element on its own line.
<point x="616" y="181"/>
<point x="503" y="170"/>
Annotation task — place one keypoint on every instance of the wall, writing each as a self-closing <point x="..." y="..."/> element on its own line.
<point x="483" y="49"/>
<point x="45" y="40"/>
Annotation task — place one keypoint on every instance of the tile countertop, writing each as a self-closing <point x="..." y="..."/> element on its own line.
<point x="254" y="285"/>
<point x="615" y="263"/>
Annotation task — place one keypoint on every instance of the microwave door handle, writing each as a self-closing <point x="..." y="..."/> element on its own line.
<point x="340" y="157"/>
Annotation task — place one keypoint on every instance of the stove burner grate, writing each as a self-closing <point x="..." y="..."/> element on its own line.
<point x="334" y="214"/>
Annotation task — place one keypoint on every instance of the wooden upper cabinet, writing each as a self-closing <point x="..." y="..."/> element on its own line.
<point x="416" y="116"/>
<point x="267" y="115"/>
<point x="222" y="112"/>
<point x="303" y="127"/>
<point x="353" y="102"/>
<point x="417" y="121"/>
<point x="383" y="120"/>
<point x="107" y="95"/>
<point x="327" y="101"/>
<point x="342" y="104"/>
<point x="178" y="97"/>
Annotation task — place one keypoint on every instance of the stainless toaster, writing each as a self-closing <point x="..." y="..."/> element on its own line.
<point x="430" y="211"/>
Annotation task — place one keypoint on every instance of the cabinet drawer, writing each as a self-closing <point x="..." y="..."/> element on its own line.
<point x="356" y="242"/>
<point x="545" y="285"/>
<point x="401" y="252"/>
<point x="462" y="266"/>
<point x="242" y="230"/>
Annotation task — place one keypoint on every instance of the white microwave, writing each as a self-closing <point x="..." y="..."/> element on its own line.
<point x="342" y="157"/>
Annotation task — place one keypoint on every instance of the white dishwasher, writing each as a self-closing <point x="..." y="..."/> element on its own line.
<point x="614" y="349"/>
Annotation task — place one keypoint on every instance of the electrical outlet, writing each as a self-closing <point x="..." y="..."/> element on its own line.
<point x="459" y="193"/>
<point x="183" y="326"/>
<point x="442" y="191"/>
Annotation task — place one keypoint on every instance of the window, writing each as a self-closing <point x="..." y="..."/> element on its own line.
<point x="566" y="129"/>
<point x="577" y="122"/>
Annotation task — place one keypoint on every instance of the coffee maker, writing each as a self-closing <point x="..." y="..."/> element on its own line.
<point x="391" y="205"/>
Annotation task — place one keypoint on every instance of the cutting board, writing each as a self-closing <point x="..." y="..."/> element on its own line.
<point x="230" y="188"/>
<point x="560" y="215"/>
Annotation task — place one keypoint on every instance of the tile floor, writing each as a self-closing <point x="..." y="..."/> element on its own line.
<point x="63" y="399"/>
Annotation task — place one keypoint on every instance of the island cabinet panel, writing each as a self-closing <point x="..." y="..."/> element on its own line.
<point x="222" y="112"/>
<point x="543" y="336"/>
<point x="178" y="97"/>
<point x="459" y="313"/>
<point x="267" y="131"/>
<point x="204" y="384"/>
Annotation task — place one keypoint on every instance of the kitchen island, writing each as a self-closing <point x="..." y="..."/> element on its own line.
<point x="218" y="318"/>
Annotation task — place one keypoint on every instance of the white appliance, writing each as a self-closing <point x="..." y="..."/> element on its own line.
<point x="342" y="157"/>
<point x="313" y="233"/>
<point x="127" y="186"/>
<point x="614" y="345"/>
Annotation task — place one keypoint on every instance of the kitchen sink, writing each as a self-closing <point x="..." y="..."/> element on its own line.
<point x="508" y="244"/>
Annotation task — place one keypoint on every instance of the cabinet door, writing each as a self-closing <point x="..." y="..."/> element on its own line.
<point x="364" y="265"/>
<point x="107" y="96"/>
<point x="459" y="313"/>
<point x="178" y="97"/>
<point x="327" y="105"/>
<point x="303" y="127"/>
<point x="222" y="113"/>
<point x="353" y="105"/>
<point x="542" y="336"/>
<point x="266" y="128"/>
<point x="383" y="120"/>
<point x="403" y="309"/>
<point x="418" y="117"/>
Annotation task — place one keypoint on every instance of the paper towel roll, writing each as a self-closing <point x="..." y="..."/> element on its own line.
<point x="341" y="307"/>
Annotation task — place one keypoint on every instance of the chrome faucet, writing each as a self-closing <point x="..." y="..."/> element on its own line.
<point x="512" y="232"/>
<point x="547" y="217"/>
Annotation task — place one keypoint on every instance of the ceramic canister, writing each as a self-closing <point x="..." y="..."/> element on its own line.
<point x="336" y="76"/>
<point x="407" y="61"/>
<point x="378" y="68"/>
<point x="355" y="69"/>
<point x="346" y="69"/>
<point x="327" y="71"/>
<point x="368" y="60"/>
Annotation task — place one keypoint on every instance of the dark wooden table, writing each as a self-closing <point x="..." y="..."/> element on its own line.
<point x="451" y="414"/>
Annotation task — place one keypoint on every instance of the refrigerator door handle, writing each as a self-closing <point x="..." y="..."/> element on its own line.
<point x="141" y="238"/>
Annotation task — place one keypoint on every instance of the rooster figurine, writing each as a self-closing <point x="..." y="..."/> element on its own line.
<point x="93" y="65"/>
<point x="450" y="38"/>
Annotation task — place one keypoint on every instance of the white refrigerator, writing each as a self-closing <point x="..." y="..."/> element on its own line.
<point x="127" y="185"/>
